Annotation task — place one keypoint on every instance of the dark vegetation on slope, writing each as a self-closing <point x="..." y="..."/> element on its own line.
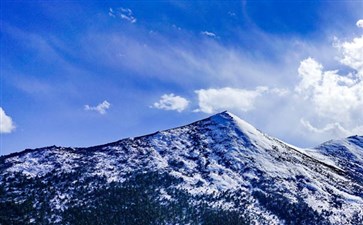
<point x="138" y="201"/>
<point x="84" y="191"/>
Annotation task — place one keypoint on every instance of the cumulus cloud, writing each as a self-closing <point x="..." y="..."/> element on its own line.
<point x="330" y="130"/>
<point x="100" y="108"/>
<point x="335" y="129"/>
<point x="171" y="102"/>
<point x="6" y="123"/>
<point x="214" y="100"/>
<point x="334" y="96"/>
<point x="310" y="74"/>
<point x="359" y="23"/>
<point x="209" y="34"/>
<point x="123" y="13"/>
<point x="352" y="54"/>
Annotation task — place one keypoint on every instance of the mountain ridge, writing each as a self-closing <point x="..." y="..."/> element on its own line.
<point x="222" y="166"/>
<point x="153" y="133"/>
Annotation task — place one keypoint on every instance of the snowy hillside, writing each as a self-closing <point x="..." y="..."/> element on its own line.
<point x="220" y="170"/>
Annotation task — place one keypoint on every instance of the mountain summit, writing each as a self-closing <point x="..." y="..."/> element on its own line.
<point x="219" y="170"/>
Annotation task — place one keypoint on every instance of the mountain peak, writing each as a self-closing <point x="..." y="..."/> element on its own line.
<point x="229" y="118"/>
<point x="225" y="114"/>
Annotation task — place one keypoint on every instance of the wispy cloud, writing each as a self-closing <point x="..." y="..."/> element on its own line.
<point x="100" y="108"/>
<point x="279" y="91"/>
<point x="123" y="13"/>
<point x="136" y="63"/>
<point x="171" y="102"/>
<point x="209" y="34"/>
<point x="160" y="56"/>
<point x="6" y="123"/>
<point x="331" y="128"/>
<point x="202" y="63"/>
<point x="111" y="13"/>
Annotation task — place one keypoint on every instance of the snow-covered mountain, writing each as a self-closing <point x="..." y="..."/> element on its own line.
<point x="220" y="170"/>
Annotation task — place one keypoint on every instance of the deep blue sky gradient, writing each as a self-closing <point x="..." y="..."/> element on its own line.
<point x="57" y="56"/>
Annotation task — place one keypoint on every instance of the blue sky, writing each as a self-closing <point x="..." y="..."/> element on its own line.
<point x="81" y="73"/>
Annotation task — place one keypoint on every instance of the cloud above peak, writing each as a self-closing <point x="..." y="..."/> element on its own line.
<point x="214" y="100"/>
<point x="6" y="122"/>
<point x="100" y="108"/>
<point x="171" y="102"/>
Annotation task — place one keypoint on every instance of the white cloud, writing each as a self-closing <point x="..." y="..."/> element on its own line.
<point x="123" y="13"/>
<point x="100" y="108"/>
<point x="352" y="54"/>
<point x="328" y="131"/>
<point x="218" y="65"/>
<point x="332" y="95"/>
<point x="111" y="13"/>
<point x="310" y="73"/>
<point x="214" y="100"/>
<point x="215" y="64"/>
<point x="171" y="102"/>
<point x="334" y="100"/>
<point x="279" y="91"/>
<point x="209" y="34"/>
<point x="335" y="129"/>
<point x="6" y="123"/>
<point x="359" y="23"/>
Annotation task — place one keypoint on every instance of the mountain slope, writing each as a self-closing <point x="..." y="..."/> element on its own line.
<point x="217" y="169"/>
